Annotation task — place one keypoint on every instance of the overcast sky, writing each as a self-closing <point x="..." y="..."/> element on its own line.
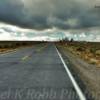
<point x="43" y="15"/>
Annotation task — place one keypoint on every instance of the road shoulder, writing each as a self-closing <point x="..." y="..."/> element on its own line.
<point x="88" y="74"/>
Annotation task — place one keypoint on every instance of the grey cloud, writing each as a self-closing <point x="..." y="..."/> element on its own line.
<point x="44" y="14"/>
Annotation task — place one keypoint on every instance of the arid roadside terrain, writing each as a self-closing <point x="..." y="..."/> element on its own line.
<point x="86" y="60"/>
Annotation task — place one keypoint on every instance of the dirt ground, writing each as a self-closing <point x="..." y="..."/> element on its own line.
<point x="5" y="50"/>
<point x="88" y="72"/>
<point x="90" y="52"/>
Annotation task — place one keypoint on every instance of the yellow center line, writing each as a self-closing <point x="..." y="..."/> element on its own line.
<point x="25" y="58"/>
<point x="40" y="49"/>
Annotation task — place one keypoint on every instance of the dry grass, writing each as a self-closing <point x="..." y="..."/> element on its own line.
<point x="90" y="52"/>
<point x="4" y="50"/>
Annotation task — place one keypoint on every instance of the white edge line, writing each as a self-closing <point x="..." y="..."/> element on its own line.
<point x="76" y="86"/>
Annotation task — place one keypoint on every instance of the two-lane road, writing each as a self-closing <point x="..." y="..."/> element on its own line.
<point x="35" y="73"/>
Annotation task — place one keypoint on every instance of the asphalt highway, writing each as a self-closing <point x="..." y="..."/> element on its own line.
<point x="35" y="73"/>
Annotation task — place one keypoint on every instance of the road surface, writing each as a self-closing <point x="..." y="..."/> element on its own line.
<point x="35" y="73"/>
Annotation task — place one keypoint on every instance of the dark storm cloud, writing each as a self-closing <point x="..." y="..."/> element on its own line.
<point x="44" y="14"/>
<point x="10" y="11"/>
